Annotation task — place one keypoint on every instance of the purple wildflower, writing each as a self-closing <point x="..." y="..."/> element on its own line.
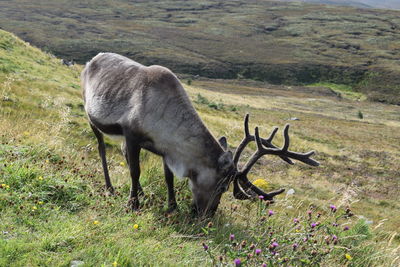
<point x="333" y="208"/>
<point x="237" y="262"/>
<point x="295" y="245"/>
<point x="231" y="237"/>
<point x="346" y="228"/>
<point x="205" y="246"/>
<point x="258" y="251"/>
<point x="261" y="197"/>
<point x="296" y="221"/>
<point x="274" y="244"/>
<point x="264" y="265"/>
<point x="271" y="212"/>
<point x="305" y="239"/>
<point x="335" y="224"/>
<point x="309" y="212"/>
<point x="252" y="246"/>
<point x="313" y="225"/>
<point x="334" y="239"/>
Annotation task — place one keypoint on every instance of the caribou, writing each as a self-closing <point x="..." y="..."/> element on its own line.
<point x="149" y="109"/>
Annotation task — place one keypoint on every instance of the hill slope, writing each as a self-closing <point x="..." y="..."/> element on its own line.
<point x="289" y="43"/>
<point x="385" y="4"/>
<point x="53" y="209"/>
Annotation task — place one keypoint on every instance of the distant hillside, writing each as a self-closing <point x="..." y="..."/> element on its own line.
<point x="386" y="4"/>
<point x="278" y="42"/>
<point x="354" y="3"/>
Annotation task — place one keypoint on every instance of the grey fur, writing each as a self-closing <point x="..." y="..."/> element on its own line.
<point x="150" y="109"/>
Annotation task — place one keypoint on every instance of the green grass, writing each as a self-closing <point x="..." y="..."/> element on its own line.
<point x="278" y="42"/>
<point x="343" y="90"/>
<point x="53" y="208"/>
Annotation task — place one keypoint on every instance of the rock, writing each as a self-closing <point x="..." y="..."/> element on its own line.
<point x="76" y="263"/>
<point x="290" y="192"/>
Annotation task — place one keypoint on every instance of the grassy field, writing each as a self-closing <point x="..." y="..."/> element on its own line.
<point x="53" y="209"/>
<point x="278" y="42"/>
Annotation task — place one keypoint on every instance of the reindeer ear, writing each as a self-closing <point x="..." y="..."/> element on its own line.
<point x="222" y="141"/>
<point x="225" y="161"/>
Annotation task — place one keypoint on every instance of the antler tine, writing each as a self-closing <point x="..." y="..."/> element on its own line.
<point x="286" y="137"/>
<point x="246" y="140"/>
<point x="259" y="153"/>
<point x="282" y="152"/>
<point x="249" y="138"/>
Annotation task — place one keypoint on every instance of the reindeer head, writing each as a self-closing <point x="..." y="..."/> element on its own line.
<point x="229" y="171"/>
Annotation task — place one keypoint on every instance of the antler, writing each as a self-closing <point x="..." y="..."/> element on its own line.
<point x="249" y="138"/>
<point x="264" y="147"/>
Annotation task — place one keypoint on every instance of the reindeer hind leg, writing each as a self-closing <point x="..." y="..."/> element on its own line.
<point x="102" y="153"/>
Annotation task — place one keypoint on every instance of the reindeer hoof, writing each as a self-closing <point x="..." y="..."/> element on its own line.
<point x="172" y="207"/>
<point x="133" y="204"/>
<point x="110" y="191"/>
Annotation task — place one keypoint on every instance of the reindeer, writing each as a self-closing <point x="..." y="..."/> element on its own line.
<point x="149" y="108"/>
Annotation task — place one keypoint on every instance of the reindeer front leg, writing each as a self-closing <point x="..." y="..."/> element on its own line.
<point x="169" y="179"/>
<point x="133" y="152"/>
<point x="125" y="152"/>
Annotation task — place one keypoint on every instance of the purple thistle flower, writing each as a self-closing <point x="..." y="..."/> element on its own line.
<point x="333" y="208"/>
<point x="305" y="239"/>
<point x="261" y="197"/>
<point x="313" y="225"/>
<point x="296" y="221"/>
<point x="205" y="246"/>
<point x="271" y="212"/>
<point x="309" y="212"/>
<point x="258" y="251"/>
<point x="346" y="228"/>
<point x="274" y="244"/>
<point x="295" y="245"/>
<point x="335" y="224"/>
<point x="252" y="246"/>
<point x="231" y="237"/>
<point x="237" y="262"/>
<point x="264" y="265"/>
<point x="334" y="237"/>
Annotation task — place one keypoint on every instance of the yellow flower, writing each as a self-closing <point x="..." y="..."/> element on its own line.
<point x="47" y="161"/>
<point x="5" y="186"/>
<point x="348" y="257"/>
<point x="115" y="264"/>
<point x="297" y="231"/>
<point x="261" y="183"/>
<point x="34" y="208"/>
<point x="26" y="133"/>
<point x="40" y="202"/>
<point x="40" y="178"/>
<point x="95" y="222"/>
<point x="122" y="163"/>
<point x="136" y="226"/>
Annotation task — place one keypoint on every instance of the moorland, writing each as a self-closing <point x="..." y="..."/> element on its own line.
<point x="54" y="210"/>
<point x="288" y="43"/>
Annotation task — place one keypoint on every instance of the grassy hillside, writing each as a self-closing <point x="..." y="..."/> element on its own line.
<point x="53" y="209"/>
<point x="278" y="42"/>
